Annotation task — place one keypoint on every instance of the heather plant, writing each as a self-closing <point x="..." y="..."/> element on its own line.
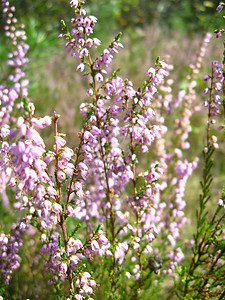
<point x="110" y="211"/>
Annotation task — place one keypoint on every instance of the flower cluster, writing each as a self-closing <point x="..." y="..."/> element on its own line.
<point x="219" y="32"/>
<point x="79" y="42"/>
<point x="37" y="193"/>
<point x="9" y="248"/>
<point x="214" y="90"/>
<point x="17" y="87"/>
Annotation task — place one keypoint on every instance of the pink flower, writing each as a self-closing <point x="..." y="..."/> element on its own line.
<point x="218" y="34"/>
<point x="47" y="204"/>
<point x="75" y="243"/>
<point x="40" y="165"/>
<point x="92" y="282"/>
<point x="61" y="176"/>
<point x="67" y="154"/>
<point x="102" y="240"/>
<point x="220" y="202"/>
<point x="63" y="268"/>
<point x="83" y="166"/>
<point x="80" y="67"/>
<point x="41" y="122"/>
<point x="33" y="135"/>
<point x="74" y="3"/>
<point x="84" y="278"/>
<point x="151" y="72"/>
<point x="78" y="189"/>
<point x="99" y="77"/>
<point x="60" y="142"/>
<point x="137" y="276"/>
<point x="219" y="8"/>
<point x="20" y="121"/>
<point x="95" y="246"/>
<point x="74" y="259"/>
<point x="13" y="133"/>
<point x="87" y="289"/>
<point x="96" y="42"/>
<point x="84" y="52"/>
<point x="218" y="87"/>
<point x="83" y="169"/>
<point x="89" y="42"/>
<point x="78" y="297"/>
<point x="53" y="219"/>
<point x="23" y="129"/>
<point x="206" y="91"/>
<point x="206" y="78"/>
<point x="51" y="191"/>
<point x="43" y="237"/>
<point x="70" y="211"/>
<point x="57" y="208"/>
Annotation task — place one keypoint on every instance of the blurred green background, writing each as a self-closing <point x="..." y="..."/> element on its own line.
<point x="187" y="15"/>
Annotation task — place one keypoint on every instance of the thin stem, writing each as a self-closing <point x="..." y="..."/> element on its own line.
<point x="102" y="152"/>
<point x="137" y="212"/>
<point x="55" y="119"/>
<point x="75" y="170"/>
<point x="62" y="222"/>
<point x="195" y="262"/>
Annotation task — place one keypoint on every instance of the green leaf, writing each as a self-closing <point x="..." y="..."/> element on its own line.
<point x="223" y="192"/>
<point x="59" y="241"/>
<point x="98" y="228"/>
<point x="73" y="233"/>
<point x="208" y="185"/>
<point x="208" y="177"/>
<point x="117" y="38"/>
<point x="209" y="167"/>
<point x="26" y="105"/>
<point x="64" y="27"/>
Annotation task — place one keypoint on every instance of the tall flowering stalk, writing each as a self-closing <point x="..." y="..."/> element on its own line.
<point x="118" y="116"/>
<point x="172" y="152"/>
<point x="208" y="249"/>
<point x="49" y="199"/>
<point x="205" y="275"/>
<point x="44" y="198"/>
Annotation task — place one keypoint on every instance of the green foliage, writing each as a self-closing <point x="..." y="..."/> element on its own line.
<point x="41" y="42"/>
<point x="186" y="15"/>
<point x="205" y="274"/>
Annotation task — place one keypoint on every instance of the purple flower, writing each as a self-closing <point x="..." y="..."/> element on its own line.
<point x="218" y="34"/>
<point x="219" y="8"/>
<point x="33" y="135"/>
<point x="78" y="297"/>
<point x="220" y="202"/>
<point x="60" y="142"/>
<point x="80" y="67"/>
<point x="99" y="77"/>
<point x="61" y="176"/>
<point x="74" y="3"/>
<point x="57" y="208"/>
<point x="51" y="191"/>
<point x="95" y="246"/>
<point x="41" y="122"/>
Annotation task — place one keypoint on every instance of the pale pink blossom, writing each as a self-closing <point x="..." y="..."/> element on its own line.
<point x="57" y="208"/>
